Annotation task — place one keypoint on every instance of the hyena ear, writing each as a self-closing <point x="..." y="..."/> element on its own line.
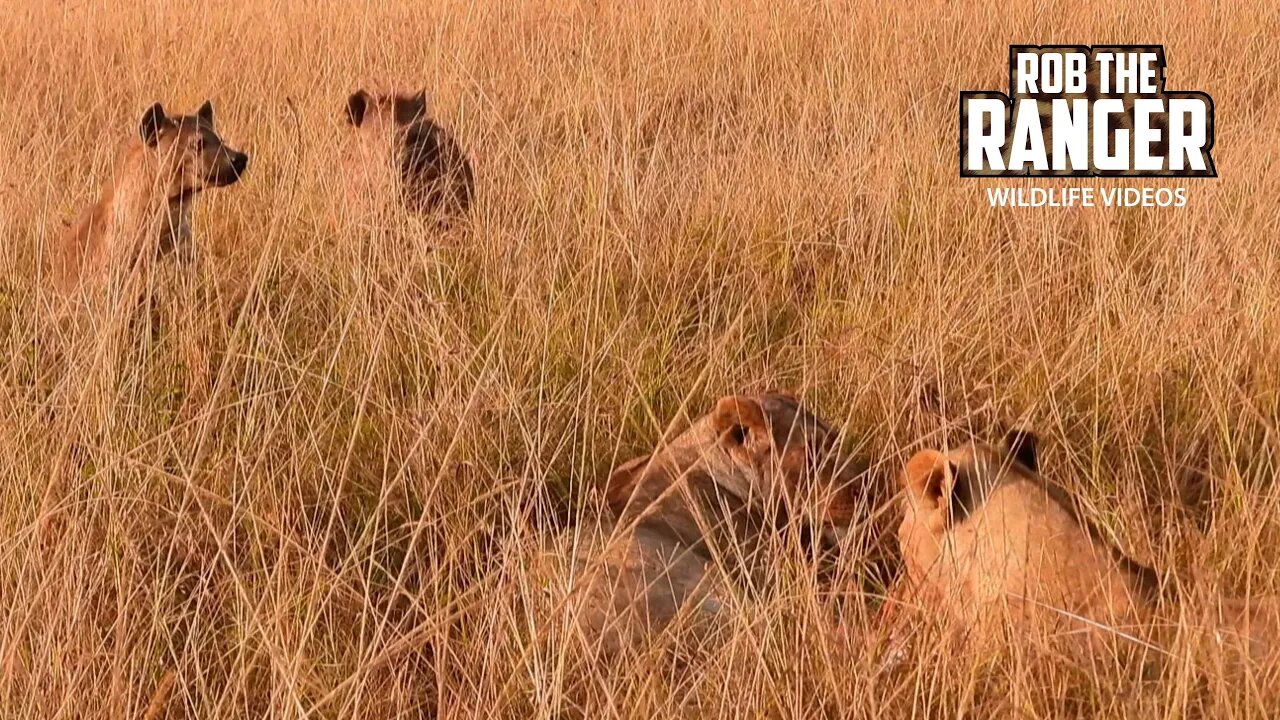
<point x="205" y="113"/>
<point x="1021" y="444"/>
<point x="411" y="108"/>
<point x="929" y="479"/>
<point x="153" y="121"/>
<point x="622" y="483"/>
<point x="357" y="105"/>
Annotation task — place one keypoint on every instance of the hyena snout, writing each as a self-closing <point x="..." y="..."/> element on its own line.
<point x="228" y="167"/>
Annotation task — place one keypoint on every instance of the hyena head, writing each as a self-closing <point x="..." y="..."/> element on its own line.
<point x="191" y="150"/>
<point x="382" y="112"/>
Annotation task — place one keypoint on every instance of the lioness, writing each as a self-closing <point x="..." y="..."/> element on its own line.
<point x="146" y="206"/>
<point x="980" y="526"/>
<point x="396" y="152"/>
<point x="698" y="512"/>
<point x="985" y="538"/>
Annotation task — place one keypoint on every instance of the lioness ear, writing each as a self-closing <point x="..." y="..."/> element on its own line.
<point x="409" y="108"/>
<point x="930" y="479"/>
<point x="1021" y="444"/>
<point x="153" y="121"/>
<point x="205" y="113"/>
<point x="622" y="483"/>
<point x="739" y="423"/>
<point x="357" y="105"/>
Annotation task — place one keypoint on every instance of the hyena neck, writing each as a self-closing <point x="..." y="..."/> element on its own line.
<point x="175" y="228"/>
<point x="141" y="211"/>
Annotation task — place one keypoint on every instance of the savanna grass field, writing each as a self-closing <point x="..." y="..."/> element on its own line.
<point x="315" y="477"/>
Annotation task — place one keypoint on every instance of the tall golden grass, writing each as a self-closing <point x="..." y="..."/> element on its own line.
<point x="337" y="516"/>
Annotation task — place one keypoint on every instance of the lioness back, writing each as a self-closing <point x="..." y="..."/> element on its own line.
<point x="987" y="542"/>
<point x="982" y="532"/>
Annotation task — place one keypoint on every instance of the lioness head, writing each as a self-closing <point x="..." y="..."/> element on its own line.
<point x="196" y="157"/>
<point x="764" y="455"/>
<point x="981" y="528"/>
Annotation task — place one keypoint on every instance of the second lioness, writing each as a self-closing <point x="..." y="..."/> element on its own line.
<point x="987" y="542"/>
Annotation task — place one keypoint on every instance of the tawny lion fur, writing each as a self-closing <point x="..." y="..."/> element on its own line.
<point x="984" y="538"/>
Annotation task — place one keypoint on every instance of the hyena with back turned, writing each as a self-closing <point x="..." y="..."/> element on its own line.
<point x="395" y="152"/>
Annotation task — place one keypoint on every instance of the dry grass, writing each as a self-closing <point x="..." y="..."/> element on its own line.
<point x="336" y="518"/>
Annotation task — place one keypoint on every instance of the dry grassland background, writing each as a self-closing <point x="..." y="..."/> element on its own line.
<point x="313" y="480"/>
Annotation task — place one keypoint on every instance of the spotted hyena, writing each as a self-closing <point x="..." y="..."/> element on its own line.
<point x="144" y="210"/>
<point x="396" y="153"/>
